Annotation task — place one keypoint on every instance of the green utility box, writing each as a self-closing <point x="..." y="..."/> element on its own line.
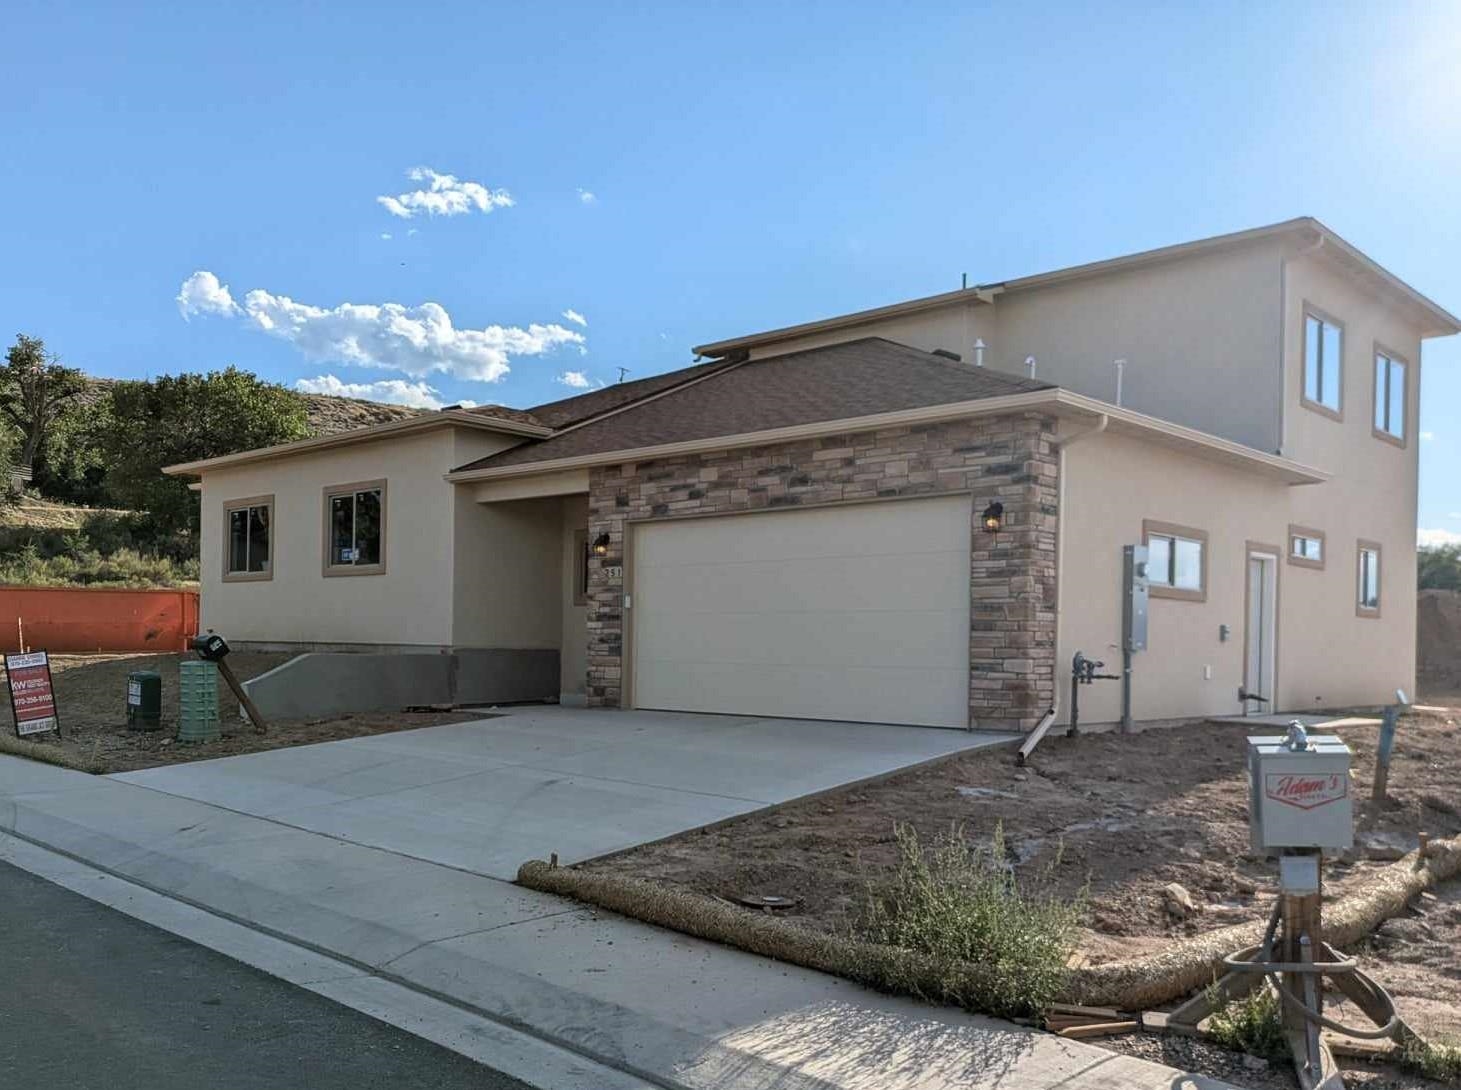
<point x="198" y="702"/>
<point x="144" y="700"/>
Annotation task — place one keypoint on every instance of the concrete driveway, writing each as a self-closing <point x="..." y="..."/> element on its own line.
<point x="486" y="796"/>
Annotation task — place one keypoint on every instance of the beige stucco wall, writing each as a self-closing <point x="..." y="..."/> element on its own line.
<point x="409" y="604"/>
<point x="1327" y="656"/>
<point x="1200" y="337"/>
<point x="1374" y="493"/>
<point x="447" y="557"/>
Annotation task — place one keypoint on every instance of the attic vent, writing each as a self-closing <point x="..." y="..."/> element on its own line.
<point x="946" y="354"/>
<point x="449" y="408"/>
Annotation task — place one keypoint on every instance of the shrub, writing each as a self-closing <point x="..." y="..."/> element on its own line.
<point x="1252" y="1024"/>
<point x="961" y="903"/>
<point x="1441" y="1062"/>
<point x="124" y="568"/>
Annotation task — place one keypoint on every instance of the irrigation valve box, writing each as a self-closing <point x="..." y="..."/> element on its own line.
<point x="1299" y="793"/>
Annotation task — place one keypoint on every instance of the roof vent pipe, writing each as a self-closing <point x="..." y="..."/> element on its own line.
<point x="979" y="352"/>
<point x="1030" y="365"/>
<point x="1120" y="373"/>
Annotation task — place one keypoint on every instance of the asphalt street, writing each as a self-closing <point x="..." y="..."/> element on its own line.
<point x="93" y="998"/>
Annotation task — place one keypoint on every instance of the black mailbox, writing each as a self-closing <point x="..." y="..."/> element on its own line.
<point x="210" y="646"/>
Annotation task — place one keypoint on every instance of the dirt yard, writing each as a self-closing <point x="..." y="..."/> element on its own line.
<point x="1127" y="814"/>
<point x="91" y="695"/>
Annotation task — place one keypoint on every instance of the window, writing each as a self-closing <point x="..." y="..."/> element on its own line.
<point x="1323" y="363"/>
<point x="355" y="530"/>
<point x="1306" y="547"/>
<point x="1389" y="396"/>
<point x="580" y="571"/>
<point x="248" y="539"/>
<point x="1368" y="602"/>
<point x="1176" y="561"/>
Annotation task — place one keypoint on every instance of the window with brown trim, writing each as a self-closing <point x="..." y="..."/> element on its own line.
<point x="355" y="528"/>
<point x="1390" y="377"/>
<point x="1367" y="572"/>
<point x="1176" y="560"/>
<point x="1306" y="547"/>
<point x="248" y="539"/>
<point x="1323" y="389"/>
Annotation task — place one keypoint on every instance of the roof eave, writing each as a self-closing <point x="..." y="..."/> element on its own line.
<point x="391" y="429"/>
<point x="1057" y="401"/>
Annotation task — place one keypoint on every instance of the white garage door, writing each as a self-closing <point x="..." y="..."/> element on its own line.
<point x="857" y="613"/>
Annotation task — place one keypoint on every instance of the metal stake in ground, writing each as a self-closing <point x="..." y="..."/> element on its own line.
<point x="214" y="648"/>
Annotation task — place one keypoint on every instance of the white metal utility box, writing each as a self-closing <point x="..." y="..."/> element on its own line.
<point x="1299" y="797"/>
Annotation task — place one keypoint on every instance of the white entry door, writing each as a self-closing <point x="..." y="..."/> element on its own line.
<point x="1262" y="634"/>
<point x="855" y="613"/>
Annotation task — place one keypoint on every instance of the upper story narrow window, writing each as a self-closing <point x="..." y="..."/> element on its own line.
<point x="1390" y="375"/>
<point x="248" y="541"/>
<point x="1323" y="363"/>
<point x="355" y="529"/>
<point x="1306" y="547"/>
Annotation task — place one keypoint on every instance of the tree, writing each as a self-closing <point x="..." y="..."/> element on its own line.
<point x="1439" y="567"/>
<point x="71" y="465"/>
<point x="34" y="387"/>
<point x="186" y="418"/>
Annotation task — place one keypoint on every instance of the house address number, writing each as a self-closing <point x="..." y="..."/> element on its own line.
<point x="614" y="571"/>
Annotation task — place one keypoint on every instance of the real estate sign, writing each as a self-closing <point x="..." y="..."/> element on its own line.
<point x="32" y="698"/>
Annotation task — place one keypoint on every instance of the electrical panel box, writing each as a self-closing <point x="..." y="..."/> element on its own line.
<point x="1134" y="592"/>
<point x="1299" y="798"/>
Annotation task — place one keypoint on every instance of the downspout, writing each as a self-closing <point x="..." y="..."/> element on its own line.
<point x="1033" y="739"/>
<point x="1283" y="317"/>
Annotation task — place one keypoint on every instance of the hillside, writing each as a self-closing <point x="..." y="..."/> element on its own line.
<point x="327" y="415"/>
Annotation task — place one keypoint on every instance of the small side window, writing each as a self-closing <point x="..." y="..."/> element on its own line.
<point x="1306" y="547"/>
<point x="1176" y="560"/>
<point x="1368" y="602"/>
<point x="248" y="530"/>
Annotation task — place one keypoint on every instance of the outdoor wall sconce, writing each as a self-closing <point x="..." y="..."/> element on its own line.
<point x="993" y="517"/>
<point x="600" y="547"/>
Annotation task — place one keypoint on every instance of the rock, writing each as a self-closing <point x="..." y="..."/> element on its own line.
<point x="1244" y="884"/>
<point x="1255" y="1063"/>
<point x="1179" y="902"/>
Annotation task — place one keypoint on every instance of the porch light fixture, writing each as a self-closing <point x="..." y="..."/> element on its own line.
<point x="600" y="547"/>
<point x="993" y="517"/>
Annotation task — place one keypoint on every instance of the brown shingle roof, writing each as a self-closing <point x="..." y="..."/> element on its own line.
<point x="856" y="378"/>
<point x="573" y="410"/>
<point x="502" y="412"/>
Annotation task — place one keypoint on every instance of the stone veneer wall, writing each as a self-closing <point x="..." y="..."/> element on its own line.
<point x="1012" y="588"/>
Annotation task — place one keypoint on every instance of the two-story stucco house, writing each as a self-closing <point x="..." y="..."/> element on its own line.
<point x="796" y="527"/>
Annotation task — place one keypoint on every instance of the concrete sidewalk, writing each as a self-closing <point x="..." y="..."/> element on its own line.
<point x="669" y="1009"/>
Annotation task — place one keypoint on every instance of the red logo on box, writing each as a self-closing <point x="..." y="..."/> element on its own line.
<point x="1305" y="792"/>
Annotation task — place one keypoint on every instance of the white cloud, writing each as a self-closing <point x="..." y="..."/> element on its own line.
<point x="1437" y="537"/>
<point x="201" y="293"/>
<point x="393" y="391"/>
<point x="444" y="195"/>
<point x="1453" y="514"/>
<point x="385" y="234"/>
<point x="577" y="379"/>
<point x="418" y="340"/>
<point x="1427" y="436"/>
<point x="587" y="197"/>
<point x="575" y="317"/>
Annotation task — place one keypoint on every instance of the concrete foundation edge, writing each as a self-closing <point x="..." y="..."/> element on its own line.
<point x="326" y="683"/>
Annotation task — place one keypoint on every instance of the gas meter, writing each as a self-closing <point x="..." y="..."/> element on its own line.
<point x="1299" y="792"/>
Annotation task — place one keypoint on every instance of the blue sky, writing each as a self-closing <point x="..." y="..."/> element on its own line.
<point x="677" y="173"/>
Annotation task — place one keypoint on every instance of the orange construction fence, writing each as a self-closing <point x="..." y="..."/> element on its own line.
<point x="96" y="619"/>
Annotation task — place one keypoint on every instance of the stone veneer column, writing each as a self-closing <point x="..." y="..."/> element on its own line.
<point x="1012" y="574"/>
